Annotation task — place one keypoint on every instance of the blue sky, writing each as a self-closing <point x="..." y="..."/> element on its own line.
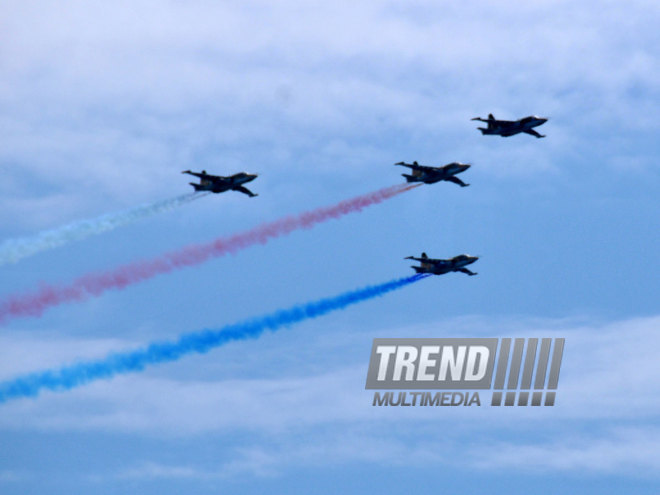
<point x="102" y="105"/>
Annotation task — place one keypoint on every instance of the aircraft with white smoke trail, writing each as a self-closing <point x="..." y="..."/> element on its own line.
<point x="506" y="128"/>
<point x="219" y="184"/>
<point x="440" y="267"/>
<point x="431" y="175"/>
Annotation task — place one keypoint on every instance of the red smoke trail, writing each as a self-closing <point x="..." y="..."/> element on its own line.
<point x="95" y="284"/>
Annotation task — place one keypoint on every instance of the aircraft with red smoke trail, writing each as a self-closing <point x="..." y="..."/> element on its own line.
<point x="219" y="184"/>
<point x="440" y="267"/>
<point x="431" y="175"/>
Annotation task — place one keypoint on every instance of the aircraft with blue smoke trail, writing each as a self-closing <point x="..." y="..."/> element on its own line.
<point x="431" y="175"/>
<point x="440" y="267"/>
<point x="506" y="128"/>
<point x="219" y="184"/>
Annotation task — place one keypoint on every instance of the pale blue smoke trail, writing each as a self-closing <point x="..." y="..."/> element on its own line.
<point x="13" y="250"/>
<point x="76" y="375"/>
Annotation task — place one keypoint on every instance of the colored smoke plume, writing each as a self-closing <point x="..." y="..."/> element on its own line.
<point x="13" y="250"/>
<point x="76" y="375"/>
<point x="95" y="284"/>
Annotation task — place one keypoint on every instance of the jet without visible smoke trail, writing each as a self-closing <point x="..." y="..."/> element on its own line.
<point x="506" y="128"/>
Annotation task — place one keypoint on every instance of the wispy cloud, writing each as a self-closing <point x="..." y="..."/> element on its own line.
<point x="619" y="450"/>
<point x="155" y="471"/>
<point x="604" y="420"/>
<point x="632" y="452"/>
<point x="88" y="102"/>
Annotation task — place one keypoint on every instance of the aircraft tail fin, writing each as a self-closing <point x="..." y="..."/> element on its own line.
<point x="418" y="269"/>
<point x="197" y="187"/>
<point x="490" y="121"/>
<point x="409" y="178"/>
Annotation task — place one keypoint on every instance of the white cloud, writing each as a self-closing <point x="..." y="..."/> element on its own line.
<point x="25" y="353"/>
<point x="155" y="471"/>
<point x="91" y="95"/>
<point x="631" y="450"/>
<point x="606" y="409"/>
<point x="608" y="372"/>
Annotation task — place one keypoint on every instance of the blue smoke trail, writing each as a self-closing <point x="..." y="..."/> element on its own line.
<point x="68" y="377"/>
<point x="13" y="250"/>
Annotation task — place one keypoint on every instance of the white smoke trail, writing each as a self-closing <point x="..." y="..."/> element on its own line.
<point x="13" y="250"/>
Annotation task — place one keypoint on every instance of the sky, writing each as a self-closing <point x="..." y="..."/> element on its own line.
<point x="103" y="104"/>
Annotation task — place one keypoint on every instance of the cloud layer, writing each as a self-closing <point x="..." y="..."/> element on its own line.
<point x="604" y="420"/>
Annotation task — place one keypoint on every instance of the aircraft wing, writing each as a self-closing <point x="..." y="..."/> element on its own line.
<point x="458" y="181"/>
<point x="495" y="121"/>
<point x="196" y="174"/>
<point x="209" y="177"/>
<point x="245" y="190"/>
<point x="533" y="133"/>
<point x="417" y="166"/>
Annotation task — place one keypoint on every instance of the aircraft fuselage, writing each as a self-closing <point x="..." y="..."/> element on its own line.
<point x="431" y="175"/>
<point x="229" y="183"/>
<point x="445" y="172"/>
<point x="506" y="128"/>
<point x="219" y="184"/>
<point x="441" y="266"/>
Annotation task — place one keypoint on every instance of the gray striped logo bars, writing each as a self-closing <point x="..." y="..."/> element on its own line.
<point x="519" y="371"/>
<point x="534" y="369"/>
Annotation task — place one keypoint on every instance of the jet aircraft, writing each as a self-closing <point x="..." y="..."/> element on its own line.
<point x="431" y="175"/>
<point x="506" y="128"/>
<point x="218" y="184"/>
<point x="440" y="267"/>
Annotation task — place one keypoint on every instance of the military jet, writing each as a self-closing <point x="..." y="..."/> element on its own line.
<point x="506" y="128"/>
<point x="431" y="175"/>
<point x="218" y="184"/>
<point x="440" y="267"/>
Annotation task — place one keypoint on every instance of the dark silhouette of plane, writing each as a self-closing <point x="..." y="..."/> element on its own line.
<point x="440" y="267"/>
<point x="431" y="175"/>
<point x="218" y="184"/>
<point x="506" y="128"/>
